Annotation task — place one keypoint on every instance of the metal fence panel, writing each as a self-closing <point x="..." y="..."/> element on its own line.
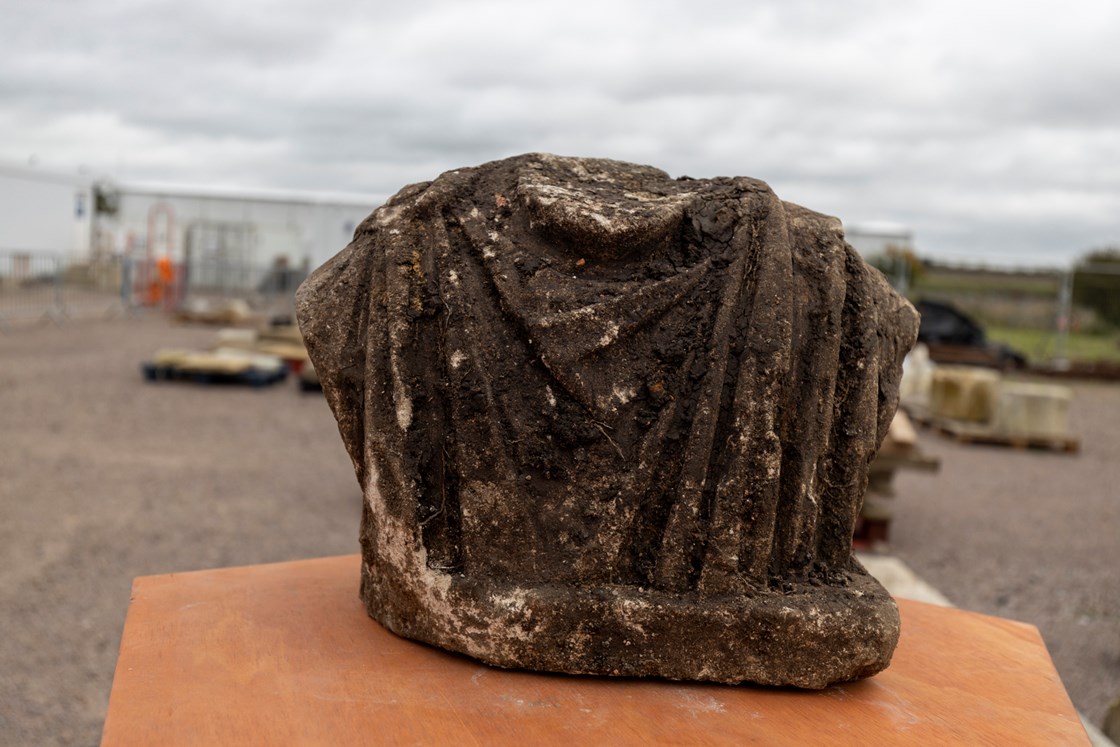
<point x="36" y="286"/>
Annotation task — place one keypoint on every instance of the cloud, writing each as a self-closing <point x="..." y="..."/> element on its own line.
<point x="990" y="129"/>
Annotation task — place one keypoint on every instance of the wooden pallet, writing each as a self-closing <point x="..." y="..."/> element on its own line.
<point x="978" y="433"/>
<point x="252" y="377"/>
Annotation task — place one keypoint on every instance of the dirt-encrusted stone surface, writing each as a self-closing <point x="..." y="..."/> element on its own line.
<point x="611" y="422"/>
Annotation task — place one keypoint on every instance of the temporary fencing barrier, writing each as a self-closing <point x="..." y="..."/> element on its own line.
<point x="37" y="286"/>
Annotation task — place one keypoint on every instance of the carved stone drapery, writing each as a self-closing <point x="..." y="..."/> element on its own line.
<point x="611" y="422"/>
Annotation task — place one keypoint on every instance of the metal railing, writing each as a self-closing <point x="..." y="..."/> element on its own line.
<point x="30" y="287"/>
<point x="36" y="286"/>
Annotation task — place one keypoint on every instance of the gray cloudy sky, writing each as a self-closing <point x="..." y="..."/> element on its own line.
<point x="992" y="129"/>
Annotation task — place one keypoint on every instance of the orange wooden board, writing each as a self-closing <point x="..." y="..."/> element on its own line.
<point x="285" y="654"/>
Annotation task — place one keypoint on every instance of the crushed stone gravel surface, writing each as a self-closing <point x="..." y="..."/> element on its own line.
<point x="1030" y="535"/>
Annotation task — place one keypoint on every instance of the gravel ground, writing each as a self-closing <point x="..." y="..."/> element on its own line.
<point x="1030" y="535"/>
<point x="104" y="477"/>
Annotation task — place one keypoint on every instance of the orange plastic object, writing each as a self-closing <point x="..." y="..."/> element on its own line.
<point x="284" y="654"/>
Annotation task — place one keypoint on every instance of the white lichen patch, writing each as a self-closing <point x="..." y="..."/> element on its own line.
<point x="457" y="358"/>
<point x="398" y="549"/>
<point x="634" y="608"/>
<point x="601" y="219"/>
<point x="818" y="619"/>
<point x="621" y="396"/>
<point x="547" y="194"/>
<point x="401" y="399"/>
<point x="610" y="335"/>
<point x="548" y="395"/>
<point x="387" y="216"/>
<point x="649" y="197"/>
<point x="506" y="628"/>
<point x="552" y="320"/>
<point x="453" y="278"/>
<point x="512" y="601"/>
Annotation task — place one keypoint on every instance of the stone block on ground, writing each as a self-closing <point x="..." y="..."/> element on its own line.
<point x="1028" y="409"/>
<point x="964" y="393"/>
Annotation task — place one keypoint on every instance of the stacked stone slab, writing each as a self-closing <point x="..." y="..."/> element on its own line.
<point x="1028" y="409"/>
<point x="611" y="422"/>
<point x="1008" y="408"/>
<point x="964" y="393"/>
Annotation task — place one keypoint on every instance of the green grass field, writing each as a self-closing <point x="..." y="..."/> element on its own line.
<point x="934" y="282"/>
<point x="999" y="300"/>
<point x="1039" y="345"/>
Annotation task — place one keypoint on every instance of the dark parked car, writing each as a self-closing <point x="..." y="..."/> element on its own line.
<point x="955" y="337"/>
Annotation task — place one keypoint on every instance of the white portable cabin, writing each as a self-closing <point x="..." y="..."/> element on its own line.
<point x="44" y="213"/>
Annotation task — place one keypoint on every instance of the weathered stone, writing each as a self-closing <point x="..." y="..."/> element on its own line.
<point x="1028" y="409"/>
<point x="964" y="393"/>
<point x="610" y="422"/>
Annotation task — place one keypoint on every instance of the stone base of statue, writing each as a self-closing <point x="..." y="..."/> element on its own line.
<point x="806" y="635"/>
<point x="611" y="422"/>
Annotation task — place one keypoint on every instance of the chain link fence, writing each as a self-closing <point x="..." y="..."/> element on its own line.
<point x="38" y="287"/>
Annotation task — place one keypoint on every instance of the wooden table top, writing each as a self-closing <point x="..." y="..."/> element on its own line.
<point x="285" y="654"/>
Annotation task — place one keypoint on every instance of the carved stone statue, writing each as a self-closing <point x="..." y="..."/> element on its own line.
<point x="611" y="422"/>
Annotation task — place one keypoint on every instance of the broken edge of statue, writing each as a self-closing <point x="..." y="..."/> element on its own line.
<point x="611" y="422"/>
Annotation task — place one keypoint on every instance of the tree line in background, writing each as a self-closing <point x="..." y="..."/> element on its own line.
<point x="1096" y="284"/>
